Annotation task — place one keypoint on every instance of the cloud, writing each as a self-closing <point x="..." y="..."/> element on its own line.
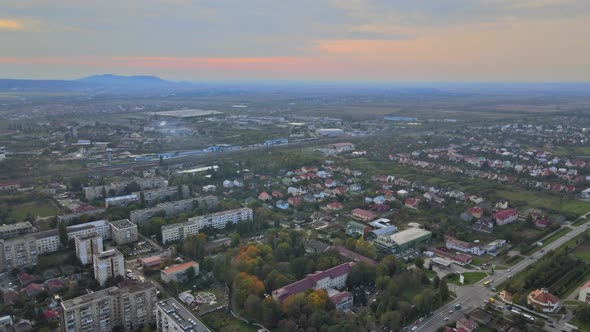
<point x="11" y="24"/>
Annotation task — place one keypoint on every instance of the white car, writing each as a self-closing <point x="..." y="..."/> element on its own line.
<point x="414" y="328"/>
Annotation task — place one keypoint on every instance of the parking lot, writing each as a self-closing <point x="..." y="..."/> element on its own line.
<point x="140" y="249"/>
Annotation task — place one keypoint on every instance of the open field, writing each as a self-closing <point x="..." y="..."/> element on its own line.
<point x="223" y="322"/>
<point x="583" y="252"/>
<point x="44" y="208"/>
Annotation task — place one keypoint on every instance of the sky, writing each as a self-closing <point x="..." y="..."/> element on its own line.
<point x="325" y="40"/>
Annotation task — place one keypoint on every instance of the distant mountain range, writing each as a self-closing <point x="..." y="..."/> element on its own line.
<point x="111" y="79"/>
<point x="87" y="83"/>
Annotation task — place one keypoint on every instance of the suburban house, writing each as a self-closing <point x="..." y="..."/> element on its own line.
<point x="466" y="324"/>
<point x="335" y="206"/>
<point x="475" y="211"/>
<point x="330" y="280"/>
<point x="295" y="201"/>
<point x="584" y="295"/>
<point x="412" y="202"/>
<point x="264" y="196"/>
<point x="543" y="301"/>
<point x="504" y="217"/>
<point x="354" y="228"/>
<point x="363" y="215"/>
<point x="463" y="246"/>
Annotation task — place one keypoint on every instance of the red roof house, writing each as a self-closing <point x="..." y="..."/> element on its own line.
<point x="334" y="206"/>
<point x="504" y="217"/>
<point x="363" y="214"/>
<point x="264" y="196"/>
<point x="543" y="301"/>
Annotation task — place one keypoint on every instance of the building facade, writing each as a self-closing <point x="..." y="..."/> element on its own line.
<point x="330" y="280"/>
<point x="123" y="231"/>
<point x="108" y="264"/>
<point x="171" y="208"/>
<point x="179" y="273"/>
<point x="18" y="252"/>
<point x="87" y="246"/>
<point x="127" y="307"/>
<point x="219" y="220"/>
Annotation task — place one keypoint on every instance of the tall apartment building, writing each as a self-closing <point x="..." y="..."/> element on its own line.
<point x="87" y="246"/>
<point x="108" y="264"/>
<point x="123" y="231"/>
<point x="127" y="307"/>
<point x="18" y="252"/>
<point x="217" y="220"/>
<point x="171" y="316"/>
<point x="171" y="208"/>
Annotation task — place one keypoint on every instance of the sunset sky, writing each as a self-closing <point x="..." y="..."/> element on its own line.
<point x="387" y="40"/>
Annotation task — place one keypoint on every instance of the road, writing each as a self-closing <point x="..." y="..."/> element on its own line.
<point x="470" y="297"/>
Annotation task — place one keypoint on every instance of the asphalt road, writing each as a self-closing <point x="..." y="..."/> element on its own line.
<point x="473" y="296"/>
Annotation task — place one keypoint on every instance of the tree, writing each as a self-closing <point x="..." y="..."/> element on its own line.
<point x="443" y="290"/>
<point x="252" y="307"/>
<point x="63" y="234"/>
<point x="271" y="312"/>
<point x="436" y="282"/>
<point x="235" y="240"/>
<point x="318" y="299"/>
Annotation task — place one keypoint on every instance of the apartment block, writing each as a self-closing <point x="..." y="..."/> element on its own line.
<point x="171" y="316"/>
<point x="123" y="231"/>
<point x="151" y="196"/>
<point x="171" y="208"/>
<point x="129" y="307"/>
<point x="217" y="220"/>
<point x="13" y="230"/>
<point x="87" y="246"/>
<point x="108" y="264"/>
<point x="98" y="192"/>
<point x="18" y="252"/>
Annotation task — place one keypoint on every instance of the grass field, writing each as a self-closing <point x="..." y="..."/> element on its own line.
<point x="545" y="201"/>
<point x="36" y="209"/>
<point x="224" y="322"/>
<point x="470" y="278"/>
<point x="583" y="327"/>
<point x="583" y="252"/>
<point x="552" y="238"/>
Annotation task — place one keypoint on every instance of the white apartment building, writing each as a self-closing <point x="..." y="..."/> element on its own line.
<point x="217" y="220"/>
<point x="108" y="264"/>
<point x="171" y="316"/>
<point x="87" y="246"/>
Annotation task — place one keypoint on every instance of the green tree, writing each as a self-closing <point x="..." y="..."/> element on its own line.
<point x="63" y="234"/>
<point x="443" y="290"/>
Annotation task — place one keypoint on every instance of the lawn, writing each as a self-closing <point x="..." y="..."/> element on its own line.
<point x="583" y="327"/>
<point x="43" y="208"/>
<point x="545" y="201"/>
<point x="470" y="278"/>
<point x="583" y="252"/>
<point x="548" y="240"/>
<point x="225" y="322"/>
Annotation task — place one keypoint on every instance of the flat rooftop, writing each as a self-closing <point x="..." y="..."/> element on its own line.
<point x="123" y="223"/>
<point x="408" y="235"/>
<point x="181" y="316"/>
<point x="190" y="113"/>
<point x="87" y="298"/>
